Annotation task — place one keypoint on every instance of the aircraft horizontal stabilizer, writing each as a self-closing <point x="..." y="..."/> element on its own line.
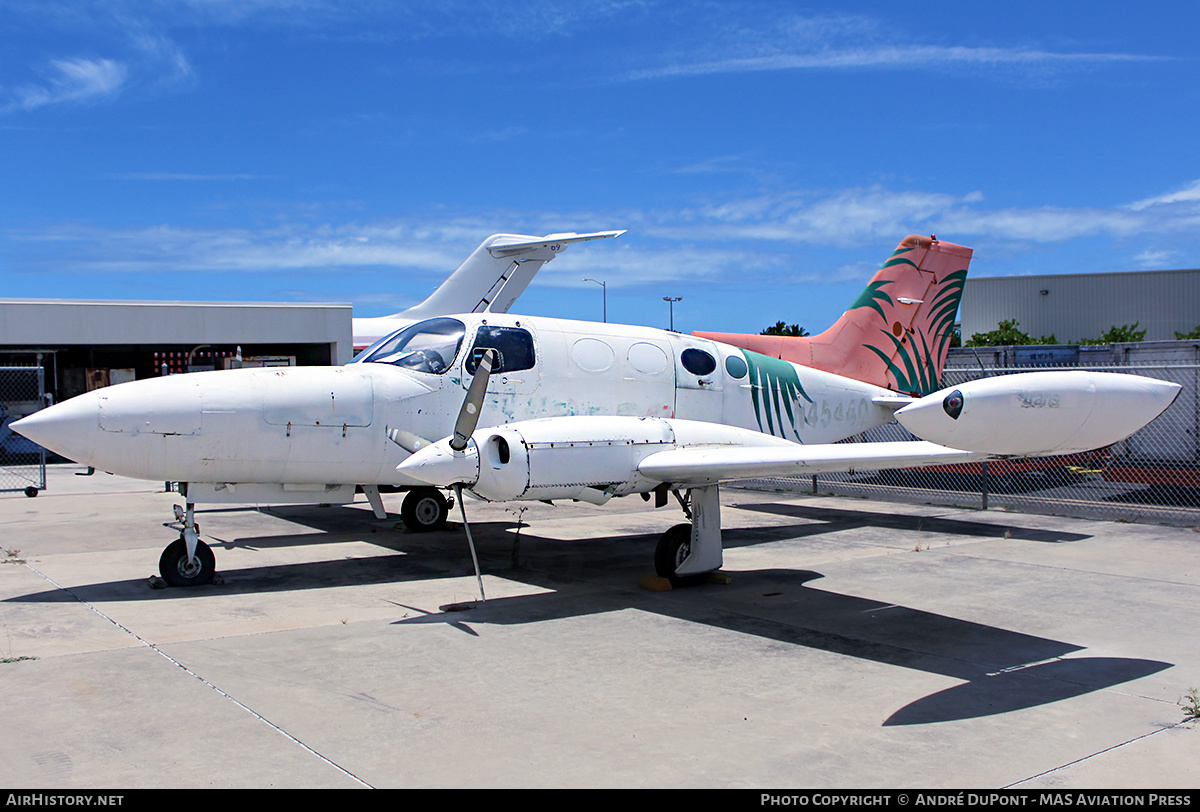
<point x="507" y="245"/>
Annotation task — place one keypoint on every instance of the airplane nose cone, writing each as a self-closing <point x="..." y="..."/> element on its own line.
<point x="68" y="428"/>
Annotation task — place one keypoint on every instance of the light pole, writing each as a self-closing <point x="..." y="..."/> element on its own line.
<point x="671" y="301"/>
<point x="604" y="293"/>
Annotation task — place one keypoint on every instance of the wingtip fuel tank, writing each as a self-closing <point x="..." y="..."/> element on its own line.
<point x="1038" y="413"/>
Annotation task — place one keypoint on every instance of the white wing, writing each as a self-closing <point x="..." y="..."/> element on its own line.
<point x="708" y="466"/>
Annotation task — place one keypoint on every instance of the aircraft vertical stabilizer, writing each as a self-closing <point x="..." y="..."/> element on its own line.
<point x="897" y="332"/>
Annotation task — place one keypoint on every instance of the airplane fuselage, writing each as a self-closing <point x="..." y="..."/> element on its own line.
<point x="302" y="430"/>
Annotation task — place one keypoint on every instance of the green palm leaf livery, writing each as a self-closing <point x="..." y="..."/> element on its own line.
<point x="871" y="296"/>
<point x="921" y="361"/>
<point x="775" y="388"/>
<point x="945" y="306"/>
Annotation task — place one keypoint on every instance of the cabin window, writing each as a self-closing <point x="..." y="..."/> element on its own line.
<point x="735" y="365"/>
<point x="427" y="346"/>
<point x="513" y="345"/>
<point x="698" y="362"/>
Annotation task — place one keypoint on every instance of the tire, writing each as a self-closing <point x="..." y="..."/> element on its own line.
<point x="673" y="548"/>
<point x="424" y="510"/>
<point x="31" y="491"/>
<point x="174" y="568"/>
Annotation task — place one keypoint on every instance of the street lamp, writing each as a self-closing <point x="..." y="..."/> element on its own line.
<point x="604" y="292"/>
<point x="671" y="301"/>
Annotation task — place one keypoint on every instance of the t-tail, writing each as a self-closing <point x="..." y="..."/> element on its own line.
<point x="897" y="332"/>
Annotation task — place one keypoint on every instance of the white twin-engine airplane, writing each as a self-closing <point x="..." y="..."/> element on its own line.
<point x="518" y="408"/>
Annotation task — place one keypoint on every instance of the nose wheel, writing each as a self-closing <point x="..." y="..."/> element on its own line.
<point x="187" y="561"/>
<point x="178" y="570"/>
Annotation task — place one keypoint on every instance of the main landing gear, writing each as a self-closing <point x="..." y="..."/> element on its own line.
<point x="688" y="552"/>
<point x="424" y="509"/>
<point x="187" y="561"/>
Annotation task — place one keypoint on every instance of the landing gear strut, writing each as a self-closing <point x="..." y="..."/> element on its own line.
<point x="424" y="509"/>
<point x="689" y="550"/>
<point x="187" y="561"/>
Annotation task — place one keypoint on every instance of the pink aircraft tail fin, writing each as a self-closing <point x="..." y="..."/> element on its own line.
<point x="896" y="333"/>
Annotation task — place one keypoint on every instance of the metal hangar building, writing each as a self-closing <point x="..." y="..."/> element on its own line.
<point x="1077" y="306"/>
<point x="81" y="345"/>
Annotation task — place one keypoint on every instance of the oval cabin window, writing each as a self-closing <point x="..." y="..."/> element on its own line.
<point x="698" y="362"/>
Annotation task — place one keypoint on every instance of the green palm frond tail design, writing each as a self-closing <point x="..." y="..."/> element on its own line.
<point x="871" y="296"/>
<point x="922" y="351"/>
<point x="873" y="293"/>
<point x="776" y="390"/>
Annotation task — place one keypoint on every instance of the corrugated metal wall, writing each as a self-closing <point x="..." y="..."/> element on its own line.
<point x="1075" y="306"/>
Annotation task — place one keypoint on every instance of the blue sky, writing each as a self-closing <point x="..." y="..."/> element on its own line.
<point x="765" y="156"/>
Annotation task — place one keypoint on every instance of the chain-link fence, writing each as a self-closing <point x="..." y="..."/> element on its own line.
<point x="22" y="462"/>
<point x="1152" y="476"/>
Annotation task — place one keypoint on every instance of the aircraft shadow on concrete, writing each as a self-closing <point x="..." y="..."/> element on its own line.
<point x="841" y="519"/>
<point x="1000" y="670"/>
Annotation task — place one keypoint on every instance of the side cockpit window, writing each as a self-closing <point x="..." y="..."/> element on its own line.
<point x="427" y="346"/>
<point x="513" y="344"/>
<point x="698" y="362"/>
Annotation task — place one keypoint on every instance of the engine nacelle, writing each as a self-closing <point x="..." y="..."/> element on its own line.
<point x="566" y="458"/>
<point x="1038" y="413"/>
<point x="590" y="458"/>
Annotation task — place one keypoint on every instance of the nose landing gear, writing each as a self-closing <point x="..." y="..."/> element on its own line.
<point x="187" y="561"/>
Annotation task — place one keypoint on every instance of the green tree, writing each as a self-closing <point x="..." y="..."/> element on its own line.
<point x="781" y="329"/>
<point x="1006" y="334"/>
<point x="1115" y="334"/>
<point x="1185" y="336"/>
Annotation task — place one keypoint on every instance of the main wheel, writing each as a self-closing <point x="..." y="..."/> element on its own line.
<point x="424" y="509"/>
<point x="673" y="548"/>
<point x="176" y="570"/>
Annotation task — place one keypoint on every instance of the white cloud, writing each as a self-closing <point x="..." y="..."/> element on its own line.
<point x="761" y="238"/>
<point x="842" y="217"/>
<point x="929" y="56"/>
<point x="849" y="42"/>
<point x="73" y="80"/>
<point x="1188" y="194"/>
<point x="1151" y="259"/>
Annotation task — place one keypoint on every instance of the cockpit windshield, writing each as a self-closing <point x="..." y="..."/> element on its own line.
<point x="427" y="346"/>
